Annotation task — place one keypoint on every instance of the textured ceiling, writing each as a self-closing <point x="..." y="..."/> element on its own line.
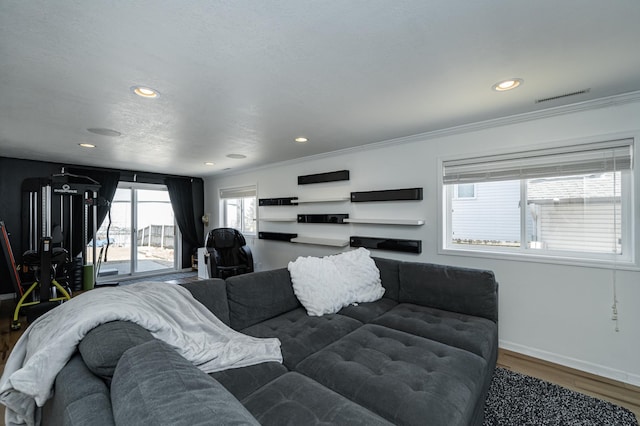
<point x="247" y="77"/>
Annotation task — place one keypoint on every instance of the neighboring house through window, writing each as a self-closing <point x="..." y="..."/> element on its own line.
<point x="569" y="202"/>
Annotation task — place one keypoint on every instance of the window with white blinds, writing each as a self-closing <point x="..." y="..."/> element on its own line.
<point x="571" y="201"/>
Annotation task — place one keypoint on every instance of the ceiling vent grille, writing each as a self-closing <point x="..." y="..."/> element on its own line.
<point x="566" y="95"/>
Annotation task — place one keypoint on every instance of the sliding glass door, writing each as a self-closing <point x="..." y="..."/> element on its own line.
<point x="141" y="230"/>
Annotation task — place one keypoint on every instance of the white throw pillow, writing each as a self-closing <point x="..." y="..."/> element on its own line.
<point x="326" y="285"/>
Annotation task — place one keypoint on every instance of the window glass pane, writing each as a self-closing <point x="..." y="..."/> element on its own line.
<point x="466" y="190"/>
<point x="249" y="215"/>
<point x="491" y="218"/>
<point x="154" y="230"/>
<point x="576" y="213"/>
<point x="233" y="213"/>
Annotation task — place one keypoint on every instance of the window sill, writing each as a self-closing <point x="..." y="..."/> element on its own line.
<point x="554" y="259"/>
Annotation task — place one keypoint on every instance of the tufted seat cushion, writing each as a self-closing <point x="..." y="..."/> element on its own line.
<point x="366" y="312"/>
<point x="404" y="378"/>
<point x="297" y="400"/>
<point x="301" y="335"/>
<point x="474" y="334"/>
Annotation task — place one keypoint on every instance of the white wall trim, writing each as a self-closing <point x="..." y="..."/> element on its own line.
<point x="605" y="102"/>
<point x="599" y="370"/>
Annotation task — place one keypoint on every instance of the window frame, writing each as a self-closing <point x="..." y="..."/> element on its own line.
<point x="239" y="193"/>
<point x="629" y="229"/>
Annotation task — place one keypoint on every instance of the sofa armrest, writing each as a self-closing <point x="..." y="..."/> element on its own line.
<point x="451" y="288"/>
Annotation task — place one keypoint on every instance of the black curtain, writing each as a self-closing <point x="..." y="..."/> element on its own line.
<point x="108" y="181"/>
<point x="187" y="197"/>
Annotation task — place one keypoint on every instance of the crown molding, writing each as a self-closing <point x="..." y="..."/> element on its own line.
<point x="609" y="101"/>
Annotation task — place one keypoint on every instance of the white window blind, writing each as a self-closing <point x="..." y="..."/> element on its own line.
<point x="240" y="192"/>
<point x="561" y="161"/>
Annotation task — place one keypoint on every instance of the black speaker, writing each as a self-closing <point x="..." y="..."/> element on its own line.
<point x="387" y="195"/>
<point x="278" y="236"/>
<point x="324" y="177"/>
<point x="287" y="201"/>
<point x="391" y="244"/>
<point x="322" y="218"/>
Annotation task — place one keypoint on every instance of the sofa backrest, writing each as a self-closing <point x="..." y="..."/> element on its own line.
<point x="451" y="288"/>
<point x="258" y="296"/>
<point x="389" y="275"/>
<point x="212" y="293"/>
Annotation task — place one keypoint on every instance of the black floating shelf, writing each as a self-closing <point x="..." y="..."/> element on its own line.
<point x="324" y="177"/>
<point x="322" y="218"/>
<point x="387" y="195"/>
<point x="391" y="244"/>
<point x="287" y="201"/>
<point x="279" y="236"/>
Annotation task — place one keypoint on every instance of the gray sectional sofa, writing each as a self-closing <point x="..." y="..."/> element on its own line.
<point x="424" y="354"/>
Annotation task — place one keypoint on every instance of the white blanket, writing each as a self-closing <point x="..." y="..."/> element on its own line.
<point x="324" y="285"/>
<point x="168" y="311"/>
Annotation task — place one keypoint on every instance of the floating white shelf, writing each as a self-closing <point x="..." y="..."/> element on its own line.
<point x="278" y="219"/>
<point x="321" y="241"/>
<point x="322" y="200"/>
<point x="411" y="222"/>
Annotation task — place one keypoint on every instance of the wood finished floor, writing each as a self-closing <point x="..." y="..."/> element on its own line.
<point x="619" y="393"/>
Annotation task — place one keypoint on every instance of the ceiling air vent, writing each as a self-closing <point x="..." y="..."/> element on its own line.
<point x="566" y="95"/>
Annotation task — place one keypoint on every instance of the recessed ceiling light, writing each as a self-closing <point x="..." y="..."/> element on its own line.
<point x="104" y="132"/>
<point x="509" y="84"/>
<point x="87" y="145"/>
<point x="145" y="92"/>
<point x="208" y="163"/>
<point x="301" y="140"/>
<point x="236" y="156"/>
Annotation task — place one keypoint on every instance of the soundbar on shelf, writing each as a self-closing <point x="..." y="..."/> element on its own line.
<point x="391" y="244"/>
<point x="279" y="236"/>
<point x="322" y="218"/>
<point x="387" y="195"/>
<point x="324" y="177"/>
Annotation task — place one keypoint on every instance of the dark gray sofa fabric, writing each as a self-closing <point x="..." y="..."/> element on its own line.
<point x="296" y="400"/>
<point x="367" y="312"/>
<point x="474" y="334"/>
<point x="76" y="389"/>
<point x="259" y="296"/>
<point x="301" y="334"/>
<point x="103" y="346"/>
<point x="423" y="354"/>
<point x="212" y="293"/>
<point x="406" y="379"/>
<point x="469" y="291"/>
<point x="246" y="380"/>
<point x="154" y="385"/>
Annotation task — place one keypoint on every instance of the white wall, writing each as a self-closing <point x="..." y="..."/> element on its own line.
<point x="561" y="313"/>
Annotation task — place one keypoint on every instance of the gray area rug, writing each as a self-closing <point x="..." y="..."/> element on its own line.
<point x="516" y="399"/>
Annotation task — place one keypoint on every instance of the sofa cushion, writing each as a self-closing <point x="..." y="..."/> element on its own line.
<point x="102" y="347"/>
<point x="212" y="293"/>
<point x="404" y="378"/>
<point x="366" y="312"/>
<point x="470" y="291"/>
<point x="81" y="397"/>
<point x="324" y="285"/>
<point x="154" y="385"/>
<point x="389" y="275"/>
<point x="259" y="296"/>
<point x="474" y="334"/>
<point x="294" y="399"/>
<point x="301" y="335"/>
<point x="245" y="380"/>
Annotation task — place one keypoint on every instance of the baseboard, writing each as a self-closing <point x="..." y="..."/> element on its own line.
<point x="576" y="364"/>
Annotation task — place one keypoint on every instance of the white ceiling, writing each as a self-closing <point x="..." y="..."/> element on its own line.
<point x="247" y="77"/>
